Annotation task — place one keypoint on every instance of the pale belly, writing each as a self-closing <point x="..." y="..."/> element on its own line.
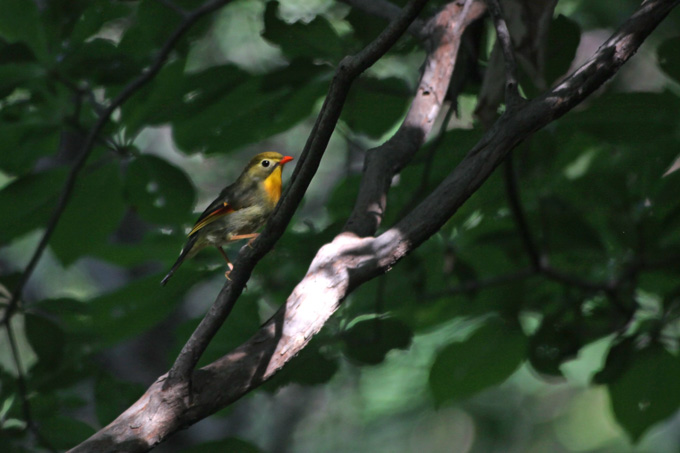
<point x="243" y="221"/>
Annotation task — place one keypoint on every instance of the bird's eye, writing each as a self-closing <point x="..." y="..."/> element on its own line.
<point x="265" y="163"/>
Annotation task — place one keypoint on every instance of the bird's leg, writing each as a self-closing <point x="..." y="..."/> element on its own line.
<point x="251" y="236"/>
<point x="229" y="264"/>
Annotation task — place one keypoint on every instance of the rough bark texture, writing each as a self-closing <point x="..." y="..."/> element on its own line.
<point x="350" y="260"/>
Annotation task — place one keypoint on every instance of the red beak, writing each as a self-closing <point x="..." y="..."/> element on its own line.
<point x="285" y="160"/>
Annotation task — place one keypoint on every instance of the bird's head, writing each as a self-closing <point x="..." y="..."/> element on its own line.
<point x="264" y="164"/>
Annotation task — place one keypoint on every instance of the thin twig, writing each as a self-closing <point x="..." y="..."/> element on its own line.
<point x="481" y="284"/>
<point x="23" y="388"/>
<point x="539" y="260"/>
<point x="517" y="210"/>
<point x="348" y="70"/>
<point x="349" y="261"/>
<point x="88" y="146"/>
<point x="512" y="96"/>
<point x="86" y="92"/>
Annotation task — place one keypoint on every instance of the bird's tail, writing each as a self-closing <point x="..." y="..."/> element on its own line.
<point x="185" y="251"/>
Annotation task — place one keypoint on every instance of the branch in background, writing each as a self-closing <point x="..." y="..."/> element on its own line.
<point x="348" y="70"/>
<point x="385" y="161"/>
<point x="348" y="261"/>
<point x="538" y="258"/>
<point x="104" y="114"/>
<point x="473" y="286"/>
<point x="388" y="11"/>
<point x="174" y="402"/>
<point x="23" y="392"/>
<point x="512" y="191"/>
<point x="130" y="89"/>
<point x="430" y="152"/>
<point x="512" y="97"/>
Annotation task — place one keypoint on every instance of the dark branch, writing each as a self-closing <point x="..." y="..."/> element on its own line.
<point x="512" y="97"/>
<point x="385" y="161"/>
<point x="478" y="285"/>
<point x="23" y="389"/>
<point x="88" y="146"/>
<point x="515" y="203"/>
<point x="348" y="261"/>
<point x="308" y="163"/>
<point x="539" y="260"/>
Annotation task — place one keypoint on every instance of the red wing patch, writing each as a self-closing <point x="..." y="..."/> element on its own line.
<point x="214" y="215"/>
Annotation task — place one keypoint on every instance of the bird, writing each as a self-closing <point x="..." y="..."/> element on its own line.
<point x="239" y="211"/>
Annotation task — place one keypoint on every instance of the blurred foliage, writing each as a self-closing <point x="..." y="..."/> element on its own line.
<point x="462" y="317"/>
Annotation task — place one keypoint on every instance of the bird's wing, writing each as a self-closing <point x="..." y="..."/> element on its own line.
<point x="211" y="215"/>
<point x="217" y="209"/>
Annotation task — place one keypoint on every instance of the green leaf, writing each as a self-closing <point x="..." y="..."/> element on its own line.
<point x="113" y="396"/>
<point x="566" y="228"/>
<point x="101" y="62"/>
<point x="368" y="341"/>
<point x="28" y="203"/>
<point x="28" y="140"/>
<point x="626" y="118"/>
<point x="158" y="191"/>
<point x="97" y="13"/>
<point x="374" y="105"/>
<point x="310" y="367"/>
<point x="557" y="340"/>
<point x="130" y="310"/>
<point x="487" y="358"/>
<point x="20" y="21"/>
<point x="647" y="391"/>
<point x="46" y="339"/>
<point x="316" y="39"/>
<point x="152" y="246"/>
<point x="15" y="53"/>
<point x="668" y="54"/>
<point x="230" y="444"/>
<point x="249" y="110"/>
<point x="160" y="101"/>
<point x="618" y="360"/>
<point x="665" y="200"/>
<point x="152" y="26"/>
<point x="563" y="39"/>
<point x="242" y="323"/>
<point x="64" y="433"/>
<point x="14" y="74"/>
<point x="93" y="213"/>
<point x="366" y="27"/>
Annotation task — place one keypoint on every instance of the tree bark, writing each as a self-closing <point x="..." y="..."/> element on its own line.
<point x="350" y="260"/>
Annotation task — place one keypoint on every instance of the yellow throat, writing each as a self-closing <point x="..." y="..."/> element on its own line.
<point x="273" y="186"/>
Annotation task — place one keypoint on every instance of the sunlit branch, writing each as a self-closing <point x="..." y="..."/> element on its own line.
<point x="349" y="260"/>
<point x="385" y="161"/>
<point x="348" y="70"/>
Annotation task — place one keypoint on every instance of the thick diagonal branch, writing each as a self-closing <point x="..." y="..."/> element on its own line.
<point x="349" y="260"/>
<point x="348" y="70"/>
<point x="385" y="161"/>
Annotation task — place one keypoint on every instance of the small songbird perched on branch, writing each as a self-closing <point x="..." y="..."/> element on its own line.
<point x="239" y="211"/>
